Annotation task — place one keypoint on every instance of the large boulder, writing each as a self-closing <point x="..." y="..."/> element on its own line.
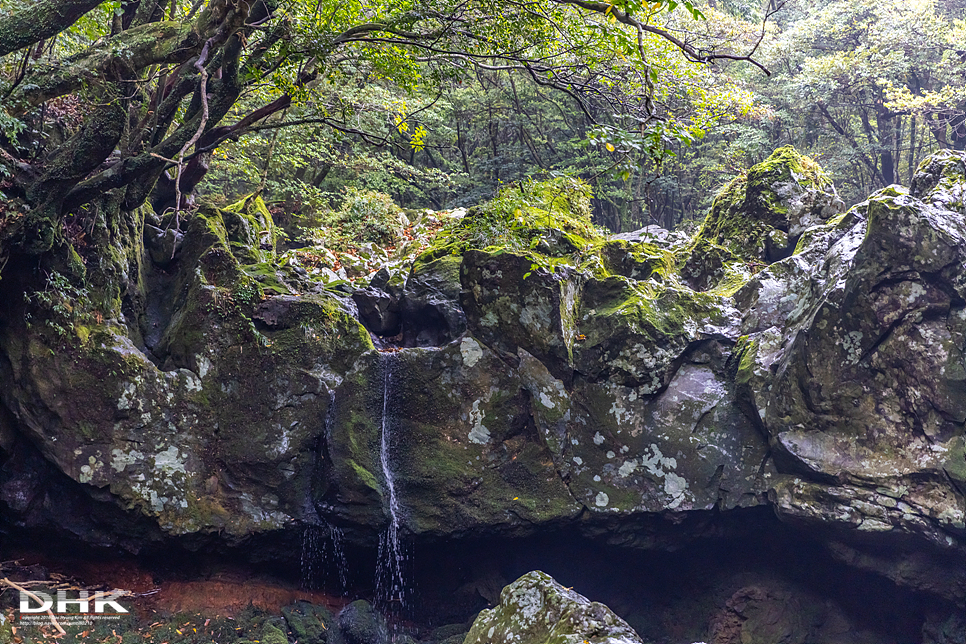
<point x="453" y="428"/>
<point x="864" y="387"/>
<point x="535" y="609"/>
<point x="759" y="217"/>
<point x="360" y="623"/>
<point x="204" y="417"/>
<point x="789" y="356"/>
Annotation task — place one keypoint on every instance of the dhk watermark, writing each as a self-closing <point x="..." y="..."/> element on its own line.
<point x="84" y="607"/>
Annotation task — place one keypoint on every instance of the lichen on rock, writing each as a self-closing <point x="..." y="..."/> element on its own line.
<point x="759" y="217"/>
<point x="535" y="609"/>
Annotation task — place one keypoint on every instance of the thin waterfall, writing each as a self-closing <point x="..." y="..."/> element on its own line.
<point x="338" y="557"/>
<point x="390" y="586"/>
<point x="323" y="562"/>
<point x="312" y="557"/>
<point x="323" y="544"/>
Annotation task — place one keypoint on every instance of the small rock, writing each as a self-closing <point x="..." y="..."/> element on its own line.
<point x="362" y="624"/>
<point x="536" y="609"/>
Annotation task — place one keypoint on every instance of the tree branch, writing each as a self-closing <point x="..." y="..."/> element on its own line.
<point x="687" y="49"/>
<point x="203" y="91"/>
<point x="153" y="44"/>
<point x="53" y="620"/>
<point x="40" y="21"/>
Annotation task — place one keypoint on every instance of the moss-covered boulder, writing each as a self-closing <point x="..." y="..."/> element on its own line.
<point x="202" y="415"/>
<point x="535" y="609"/>
<point x="854" y="367"/>
<point x="759" y="216"/>
<point x="543" y="375"/>
<point x="312" y="623"/>
<point x="635" y="333"/>
<point x="512" y="302"/>
<point x="430" y="301"/>
<point x="869" y="386"/>
<point x="455" y="427"/>
<point x="360" y="623"/>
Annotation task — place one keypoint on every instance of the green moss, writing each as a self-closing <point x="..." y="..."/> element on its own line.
<point x="728" y="225"/>
<point x="787" y="163"/>
<point x="206" y="228"/>
<point x="745" y="351"/>
<point x="736" y="275"/>
<point x="747" y="210"/>
<point x="273" y="635"/>
<point x="76" y="264"/>
<point x="955" y="465"/>
<point x="638" y="261"/>
<point x="319" y="318"/>
<point x="550" y="219"/>
<point x="749" y="221"/>
<point x="267" y="275"/>
<point x="250" y="230"/>
<point x="365" y="475"/>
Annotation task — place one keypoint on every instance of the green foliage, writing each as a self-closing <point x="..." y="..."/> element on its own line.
<point x="10" y="130"/>
<point x="448" y="138"/>
<point x="365" y="216"/>
<point x="552" y="218"/>
<point x="868" y="88"/>
<point x="62" y="306"/>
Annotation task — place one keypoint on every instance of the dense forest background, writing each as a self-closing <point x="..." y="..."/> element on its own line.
<point x="332" y="120"/>
<point x="867" y="88"/>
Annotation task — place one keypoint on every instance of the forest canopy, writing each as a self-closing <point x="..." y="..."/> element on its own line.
<point x="111" y="105"/>
<point x="108" y="105"/>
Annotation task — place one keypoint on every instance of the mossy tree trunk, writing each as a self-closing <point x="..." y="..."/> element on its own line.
<point x="137" y="117"/>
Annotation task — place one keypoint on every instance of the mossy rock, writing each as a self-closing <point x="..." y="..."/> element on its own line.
<point x="550" y="218"/>
<point x="638" y="261"/>
<point x="210" y="427"/>
<point x="878" y="326"/>
<point x="272" y="634"/>
<point x="535" y="609"/>
<point x="360" y="623"/>
<point x="312" y="623"/>
<point x="512" y="300"/>
<point x="430" y="302"/>
<point x="250" y="230"/>
<point x="462" y="449"/>
<point x="758" y="217"/>
<point x="634" y="334"/>
<point x="939" y="180"/>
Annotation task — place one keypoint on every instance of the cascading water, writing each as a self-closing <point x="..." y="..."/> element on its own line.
<point x="390" y="584"/>
<point x="338" y="557"/>
<point x="311" y="559"/>
<point x="323" y="544"/>
<point x="323" y="559"/>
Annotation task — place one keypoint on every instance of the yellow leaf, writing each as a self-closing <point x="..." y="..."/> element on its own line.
<point x="610" y="147"/>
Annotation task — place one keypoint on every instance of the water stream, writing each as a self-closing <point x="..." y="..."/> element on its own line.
<point x="338" y="557"/>
<point x="390" y="584"/>
<point x="323" y="557"/>
<point x="311" y="557"/>
<point x="323" y="562"/>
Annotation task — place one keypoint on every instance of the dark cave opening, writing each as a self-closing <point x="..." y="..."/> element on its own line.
<point x="766" y="571"/>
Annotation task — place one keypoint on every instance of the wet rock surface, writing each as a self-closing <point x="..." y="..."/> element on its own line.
<point x="789" y="358"/>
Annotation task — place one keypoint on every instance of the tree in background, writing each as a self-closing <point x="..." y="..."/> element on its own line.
<point x="108" y="105"/>
<point x="458" y="131"/>
<point x="868" y="87"/>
